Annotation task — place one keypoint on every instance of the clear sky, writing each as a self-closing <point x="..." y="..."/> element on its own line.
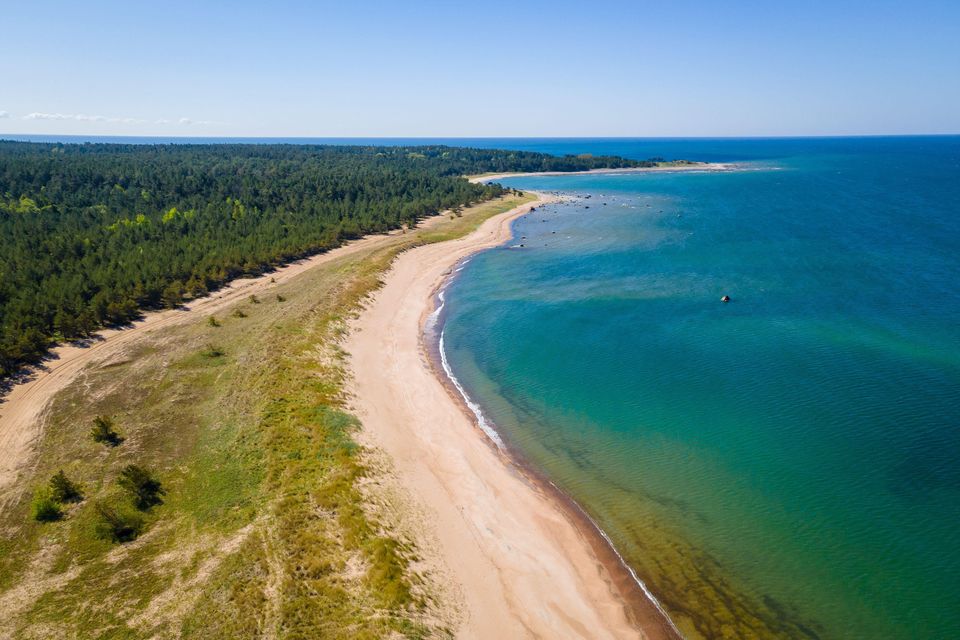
<point x="585" y="68"/>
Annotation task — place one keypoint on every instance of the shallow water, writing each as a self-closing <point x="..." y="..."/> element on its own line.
<point x="784" y="465"/>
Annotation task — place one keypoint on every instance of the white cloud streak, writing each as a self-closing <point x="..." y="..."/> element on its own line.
<point x="191" y="121"/>
<point x="4" y="114"/>
<point x="82" y="117"/>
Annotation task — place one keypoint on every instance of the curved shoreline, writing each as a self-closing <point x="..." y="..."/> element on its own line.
<point x="520" y="562"/>
<point x="707" y="167"/>
<point x="643" y="607"/>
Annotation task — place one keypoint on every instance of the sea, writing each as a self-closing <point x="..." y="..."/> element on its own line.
<point x="782" y="465"/>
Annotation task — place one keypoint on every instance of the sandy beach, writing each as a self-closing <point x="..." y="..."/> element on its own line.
<point x="521" y="563"/>
<point x="696" y="166"/>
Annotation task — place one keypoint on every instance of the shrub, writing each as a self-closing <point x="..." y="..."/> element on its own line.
<point x="173" y="294"/>
<point x="43" y="507"/>
<point x="212" y="351"/>
<point x="63" y="489"/>
<point x="104" y="431"/>
<point x="118" y="523"/>
<point x="280" y="298"/>
<point x="144" y="489"/>
<point x="254" y="299"/>
<point x="213" y="322"/>
<point x="238" y="313"/>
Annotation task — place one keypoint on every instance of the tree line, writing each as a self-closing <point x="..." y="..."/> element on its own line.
<point x="91" y="234"/>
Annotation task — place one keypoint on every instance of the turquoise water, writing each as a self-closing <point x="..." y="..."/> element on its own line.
<point x="784" y="465"/>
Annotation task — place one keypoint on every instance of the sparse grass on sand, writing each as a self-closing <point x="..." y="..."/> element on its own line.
<point x="264" y="529"/>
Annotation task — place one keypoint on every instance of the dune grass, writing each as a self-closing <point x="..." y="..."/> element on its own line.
<point x="263" y="529"/>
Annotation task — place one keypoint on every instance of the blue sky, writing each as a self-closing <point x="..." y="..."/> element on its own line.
<point x="601" y="68"/>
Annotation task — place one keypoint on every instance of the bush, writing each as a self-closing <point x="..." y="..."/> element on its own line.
<point x="213" y="322"/>
<point x="118" y="523"/>
<point x="280" y="298"/>
<point x="173" y="294"/>
<point x="63" y="490"/>
<point x="212" y="351"/>
<point x="238" y="313"/>
<point x="104" y="431"/>
<point x="144" y="489"/>
<point x="44" y="508"/>
<point x="254" y="299"/>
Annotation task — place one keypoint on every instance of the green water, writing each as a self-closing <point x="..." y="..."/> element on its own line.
<point x="784" y="465"/>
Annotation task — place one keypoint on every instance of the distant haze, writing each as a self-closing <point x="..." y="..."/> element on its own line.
<point x="606" y="68"/>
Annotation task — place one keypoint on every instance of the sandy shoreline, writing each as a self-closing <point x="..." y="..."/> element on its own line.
<point x="699" y="166"/>
<point x="525" y="561"/>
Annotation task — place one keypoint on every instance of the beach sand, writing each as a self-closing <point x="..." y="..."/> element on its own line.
<point x="519" y="560"/>
<point x="695" y="166"/>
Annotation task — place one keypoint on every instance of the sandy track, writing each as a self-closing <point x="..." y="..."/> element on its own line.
<point x="521" y="565"/>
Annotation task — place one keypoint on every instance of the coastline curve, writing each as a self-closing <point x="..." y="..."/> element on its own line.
<point x="432" y="343"/>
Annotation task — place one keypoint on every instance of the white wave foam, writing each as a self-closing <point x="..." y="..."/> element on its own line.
<point x="434" y="316"/>
<point x="491" y="433"/>
<point x="482" y="422"/>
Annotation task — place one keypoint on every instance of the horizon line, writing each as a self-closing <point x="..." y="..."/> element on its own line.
<point x="11" y="137"/>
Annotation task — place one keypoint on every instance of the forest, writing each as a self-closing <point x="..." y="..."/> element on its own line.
<point x="93" y="234"/>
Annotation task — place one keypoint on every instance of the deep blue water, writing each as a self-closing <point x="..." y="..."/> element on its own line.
<point x="784" y="465"/>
